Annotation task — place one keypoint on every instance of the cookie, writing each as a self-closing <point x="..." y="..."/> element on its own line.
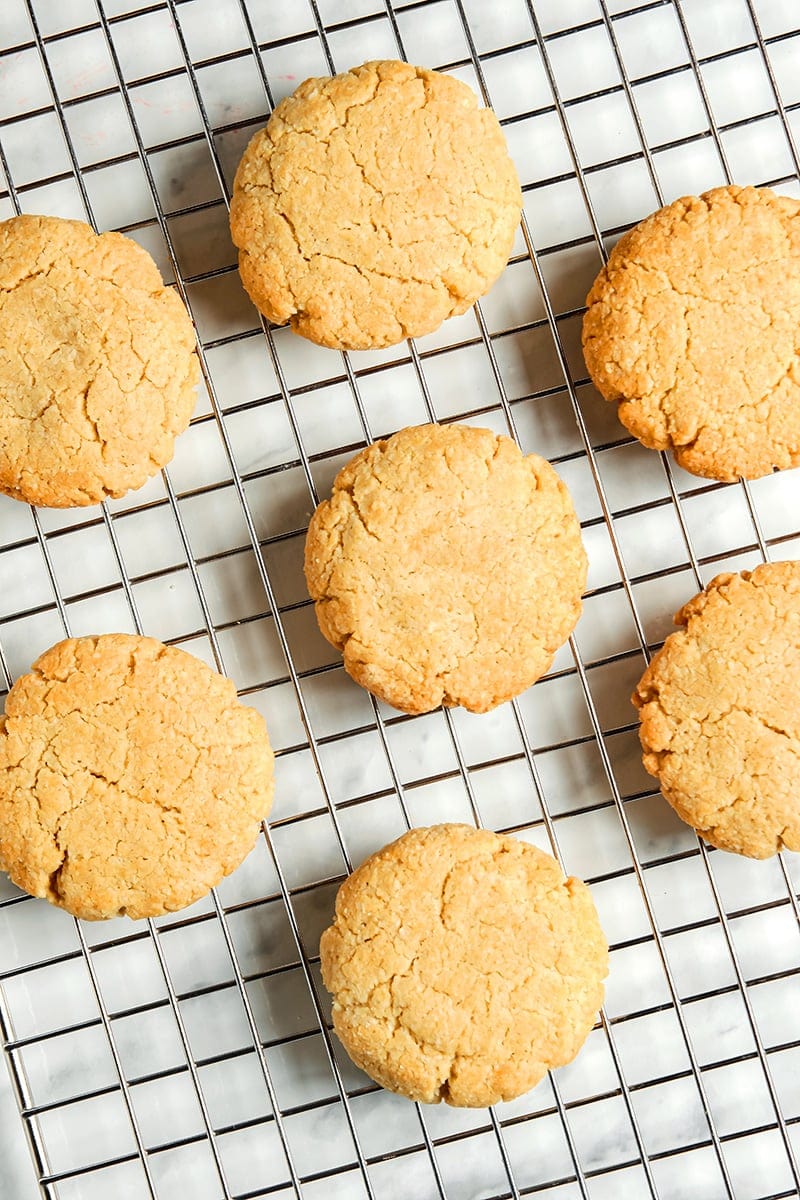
<point x="447" y="567"/>
<point x="97" y="363"/>
<point x="374" y="205"/>
<point x="719" y="712"/>
<point x="463" y="966"/>
<point x="693" y="328"/>
<point x="131" y="778"/>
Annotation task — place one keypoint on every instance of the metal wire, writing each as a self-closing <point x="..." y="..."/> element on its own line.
<point x="581" y="1170"/>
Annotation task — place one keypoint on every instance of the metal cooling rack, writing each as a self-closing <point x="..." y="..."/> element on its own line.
<point x="193" y="1054"/>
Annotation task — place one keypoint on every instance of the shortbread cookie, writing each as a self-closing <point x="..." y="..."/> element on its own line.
<point x="446" y="567"/>
<point x="719" y="712"/>
<point x="97" y="363"/>
<point x="463" y="966"/>
<point x="374" y="205"/>
<point x="693" y="327"/>
<point x="131" y="778"/>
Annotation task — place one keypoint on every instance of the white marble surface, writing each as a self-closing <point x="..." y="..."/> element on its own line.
<point x="554" y="720"/>
<point x="16" y="1171"/>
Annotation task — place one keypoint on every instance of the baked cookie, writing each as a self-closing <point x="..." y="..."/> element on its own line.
<point x="131" y="778"/>
<point x="719" y="712"/>
<point x="463" y="966"/>
<point x="693" y="327"/>
<point x="97" y="363"/>
<point x="374" y="205"/>
<point x="447" y="567"/>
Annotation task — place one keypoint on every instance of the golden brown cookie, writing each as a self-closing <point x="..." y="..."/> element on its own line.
<point x="447" y="567"/>
<point x="374" y="205"/>
<point x="693" y="327"/>
<point x="720" y="716"/>
<point x="463" y="966"/>
<point x="97" y="363"/>
<point x="131" y="778"/>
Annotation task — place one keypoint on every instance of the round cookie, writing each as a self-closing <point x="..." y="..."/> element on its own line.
<point x="131" y="778"/>
<point x="374" y="205"/>
<point x="463" y="966"/>
<point x="447" y="567"/>
<point x="719" y="712"/>
<point x="693" y="327"/>
<point x="97" y="363"/>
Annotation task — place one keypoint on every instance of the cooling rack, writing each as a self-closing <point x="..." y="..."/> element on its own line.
<point x="193" y="1055"/>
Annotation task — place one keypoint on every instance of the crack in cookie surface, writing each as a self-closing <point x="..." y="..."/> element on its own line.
<point x="719" y="712"/>
<point x="374" y="205"/>
<point x="693" y="328"/>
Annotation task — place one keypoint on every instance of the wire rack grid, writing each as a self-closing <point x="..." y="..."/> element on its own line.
<point x="193" y="1054"/>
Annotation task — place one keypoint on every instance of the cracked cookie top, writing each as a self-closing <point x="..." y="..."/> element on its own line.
<point x="131" y="778"/>
<point x="97" y="363"/>
<point x="719" y="712"/>
<point x="374" y="205"/>
<point x="693" y="327"/>
<point x="447" y="567"/>
<point x="463" y="966"/>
